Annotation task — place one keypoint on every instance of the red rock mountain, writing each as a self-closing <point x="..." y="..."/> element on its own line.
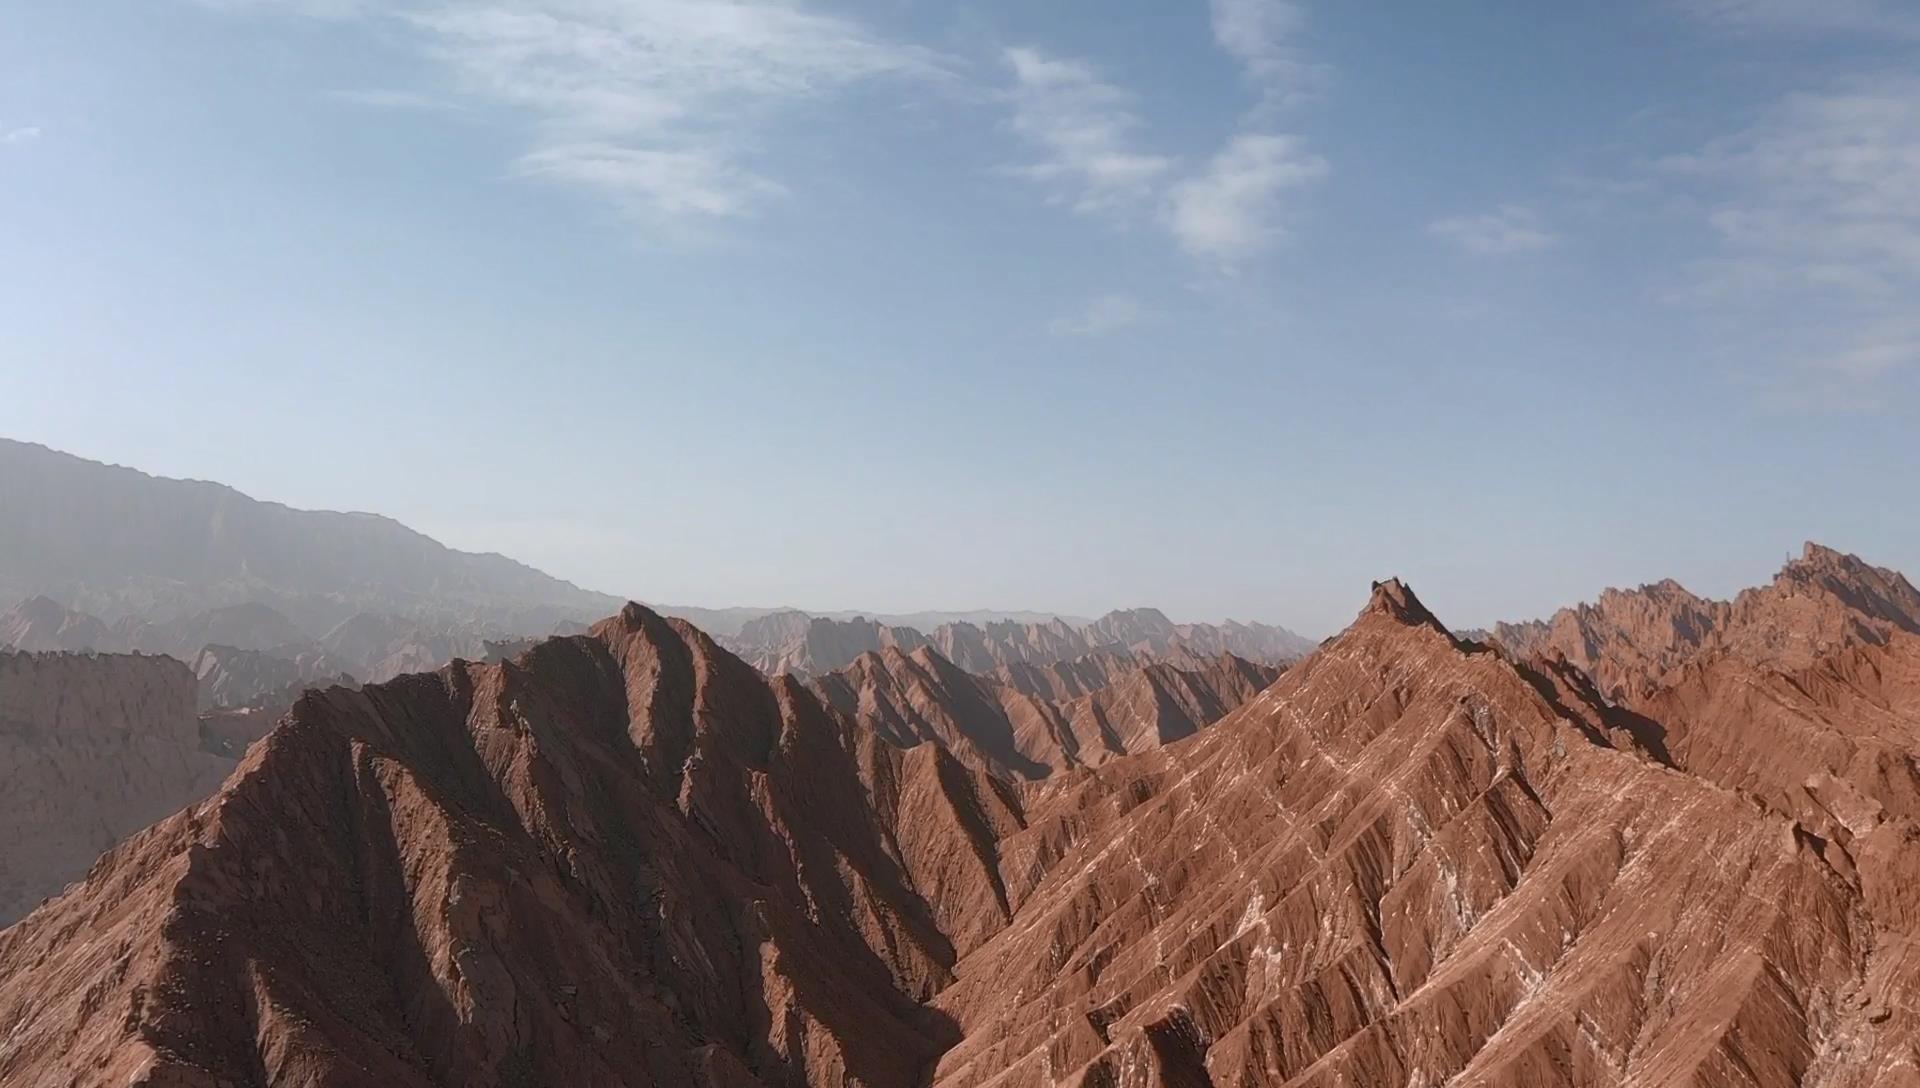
<point x="1027" y="732"/>
<point x="629" y="858"/>
<point x="808" y="646"/>
<point x="92" y="749"/>
<point x="1629" y="639"/>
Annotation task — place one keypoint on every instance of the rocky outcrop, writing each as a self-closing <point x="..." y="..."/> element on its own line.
<point x="92" y="748"/>
<point x="629" y="858"/>
<point x="1024" y="732"/>
<point x="1413" y="862"/>
<point x="793" y="642"/>
<point x="624" y="859"/>
<point x="232" y="677"/>
<point x="1629" y="640"/>
<point x="807" y="645"/>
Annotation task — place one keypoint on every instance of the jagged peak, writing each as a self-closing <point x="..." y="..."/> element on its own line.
<point x="1395" y="599"/>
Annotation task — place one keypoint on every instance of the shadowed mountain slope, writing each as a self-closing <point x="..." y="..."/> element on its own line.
<point x="628" y="858"/>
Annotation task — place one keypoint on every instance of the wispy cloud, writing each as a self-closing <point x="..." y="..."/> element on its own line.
<point x="313" y="9"/>
<point x="1510" y="228"/>
<point x="644" y="180"/>
<point x="1100" y="317"/>
<point x="22" y="135"/>
<point x="387" y="99"/>
<point x="1083" y="128"/>
<point x="1262" y="35"/>
<point x="1815" y="209"/>
<point x="1888" y="346"/>
<point x="1895" y="17"/>
<point x="659" y="104"/>
<point x="1234" y="208"/>
<point x="1823" y="191"/>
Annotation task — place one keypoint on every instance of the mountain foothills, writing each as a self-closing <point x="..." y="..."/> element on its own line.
<point x="1681" y="850"/>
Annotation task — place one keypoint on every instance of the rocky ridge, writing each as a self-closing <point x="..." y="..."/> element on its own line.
<point x="794" y="642"/>
<point x="628" y="858"/>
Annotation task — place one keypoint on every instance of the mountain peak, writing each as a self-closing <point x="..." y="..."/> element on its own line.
<point x="1395" y="599"/>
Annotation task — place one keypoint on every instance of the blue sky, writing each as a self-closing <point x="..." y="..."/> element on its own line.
<point x="1227" y="308"/>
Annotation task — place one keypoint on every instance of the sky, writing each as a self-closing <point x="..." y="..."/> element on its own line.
<point x="1228" y="308"/>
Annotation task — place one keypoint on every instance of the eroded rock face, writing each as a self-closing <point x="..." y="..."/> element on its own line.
<point x="793" y="642"/>
<point x="232" y="677"/>
<point x="629" y="858"/>
<point x="1629" y="640"/>
<point x="1411" y="863"/>
<point x="92" y="748"/>
<point x="622" y="859"/>
<point x="1028" y="723"/>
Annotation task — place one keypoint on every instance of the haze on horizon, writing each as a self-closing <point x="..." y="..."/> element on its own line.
<point x="1223" y="309"/>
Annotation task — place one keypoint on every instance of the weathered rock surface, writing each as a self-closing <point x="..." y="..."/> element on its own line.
<point x="92" y="749"/>
<point x="629" y="858"/>
<point x="232" y="677"/>
<point x="808" y="645"/>
<point x="1031" y="730"/>
<point x="1629" y="640"/>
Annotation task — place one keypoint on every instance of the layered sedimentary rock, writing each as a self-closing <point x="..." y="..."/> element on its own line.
<point x="1414" y="862"/>
<point x="625" y="859"/>
<point x="1025" y="730"/>
<point x="630" y="859"/>
<point x="92" y="748"/>
<point x="1629" y="640"/>
<point x="232" y="677"/>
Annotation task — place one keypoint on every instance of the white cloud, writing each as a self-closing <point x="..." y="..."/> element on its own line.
<point x="1232" y="209"/>
<point x="1083" y="128"/>
<point x="1261" y="35"/>
<point x="1103" y="315"/>
<point x="1822" y="191"/>
<point x="26" y="134"/>
<point x="1814" y="213"/>
<point x="1511" y="228"/>
<point x="1895" y="17"/>
<point x="649" y="182"/>
<point x="656" y="103"/>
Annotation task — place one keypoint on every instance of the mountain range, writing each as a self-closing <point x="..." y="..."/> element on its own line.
<point x="628" y="857"/>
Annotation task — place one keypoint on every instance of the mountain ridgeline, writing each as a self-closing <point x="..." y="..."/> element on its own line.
<point x="795" y="642"/>
<point x="628" y="857"/>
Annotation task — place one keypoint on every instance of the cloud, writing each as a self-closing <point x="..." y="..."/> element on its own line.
<point x="1232" y="209"/>
<point x="1813" y="216"/>
<point x="387" y="99"/>
<point x="1261" y="35"/>
<point x="1103" y="315"/>
<point x="313" y="9"/>
<point x="1083" y="128"/>
<point x="1511" y="228"/>
<point x="1881" y="17"/>
<point x="1890" y="346"/>
<point x="657" y="104"/>
<point x="26" y="134"/>
<point x="646" y="181"/>
<point x="1822" y="191"/>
